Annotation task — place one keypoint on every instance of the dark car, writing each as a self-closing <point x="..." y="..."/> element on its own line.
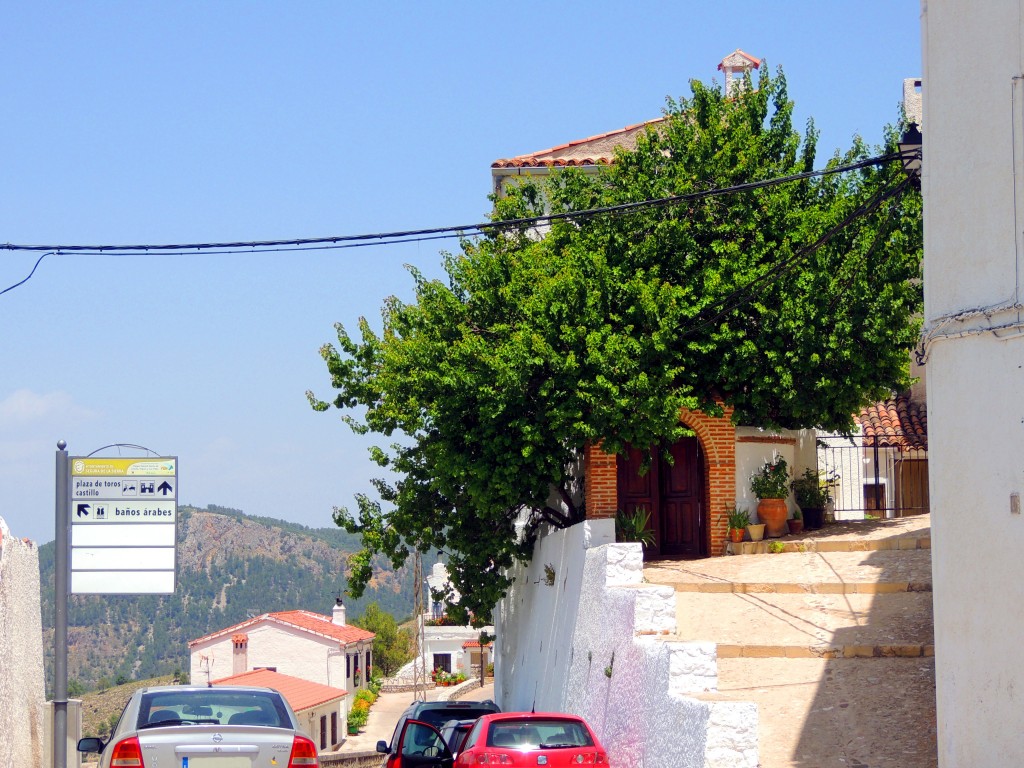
<point x="173" y="725"/>
<point x="454" y="733"/>
<point x="436" y="714"/>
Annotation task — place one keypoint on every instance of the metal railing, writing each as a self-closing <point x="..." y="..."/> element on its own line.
<point x="875" y="480"/>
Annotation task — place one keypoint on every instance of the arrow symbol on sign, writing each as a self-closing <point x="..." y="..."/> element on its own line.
<point x="164" y="488"/>
<point x="83" y="510"/>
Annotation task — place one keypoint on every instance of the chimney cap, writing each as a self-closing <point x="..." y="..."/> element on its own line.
<point x="337" y="600"/>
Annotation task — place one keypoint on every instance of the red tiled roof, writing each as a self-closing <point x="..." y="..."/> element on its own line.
<point x="474" y="644"/>
<point x="594" y="150"/>
<point x="300" y="694"/>
<point x="899" y="423"/>
<point x="315" y="623"/>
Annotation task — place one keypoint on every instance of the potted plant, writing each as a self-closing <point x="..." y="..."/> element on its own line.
<point x="634" y="526"/>
<point x="770" y="484"/>
<point x="813" y="492"/>
<point x="796" y="523"/>
<point x="739" y="519"/>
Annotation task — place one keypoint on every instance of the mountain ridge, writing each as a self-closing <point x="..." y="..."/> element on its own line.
<point x="230" y="567"/>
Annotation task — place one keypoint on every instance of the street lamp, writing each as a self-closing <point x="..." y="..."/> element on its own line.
<point x="910" y="152"/>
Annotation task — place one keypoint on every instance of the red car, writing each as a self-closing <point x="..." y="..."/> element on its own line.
<point x="532" y="738"/>
<point x="512" y="738"/>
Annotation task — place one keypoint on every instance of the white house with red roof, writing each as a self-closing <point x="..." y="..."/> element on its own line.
<point x="321" y="709"/>
<point x="309" y="646"/>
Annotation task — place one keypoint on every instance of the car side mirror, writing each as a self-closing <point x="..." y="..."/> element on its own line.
<point x="382" y="747"/>
<point x="90" y="744"/>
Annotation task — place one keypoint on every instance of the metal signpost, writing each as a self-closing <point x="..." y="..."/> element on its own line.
<point x="116" y="534"/>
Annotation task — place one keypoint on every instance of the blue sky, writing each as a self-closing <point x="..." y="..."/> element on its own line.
<point x="130" y="122"/>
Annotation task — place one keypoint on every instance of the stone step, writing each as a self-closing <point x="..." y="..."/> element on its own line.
<point x="816" y="588"/>
<point x="798" y="544"/>
<point x="855" y="624"/>
<point x="825" y="651"/>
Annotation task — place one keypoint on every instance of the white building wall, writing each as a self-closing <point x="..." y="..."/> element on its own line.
<point x="309" y="722"/>
<point x="751" y="456"/>
<point x="586" y="641"/>
<point x="973" y="175"/>
<point x="22" y="691"/>
<point x="289" y="651"/>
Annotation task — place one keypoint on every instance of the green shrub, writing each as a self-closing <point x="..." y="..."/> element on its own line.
<point x="364" y="695"/>
<point x="357" y="717"/>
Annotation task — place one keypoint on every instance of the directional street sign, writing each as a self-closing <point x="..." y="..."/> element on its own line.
<point x="124" y="522"/>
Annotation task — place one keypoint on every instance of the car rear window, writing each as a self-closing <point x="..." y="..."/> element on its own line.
<point x="212" y="706"/>
<point x="531" y="734"/>
<point x="438" y="717"/>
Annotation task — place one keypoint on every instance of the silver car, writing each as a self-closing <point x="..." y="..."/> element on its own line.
<point x="177" y="726"/>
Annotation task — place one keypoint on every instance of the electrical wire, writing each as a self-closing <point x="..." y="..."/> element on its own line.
<point x="22" y="282"/>
<point x="435" y="233"/>
<point x="384" y="238"/>
<point x="741" y="295"/>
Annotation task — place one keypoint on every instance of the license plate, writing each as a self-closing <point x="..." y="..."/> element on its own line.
<point x="225" y="761"/>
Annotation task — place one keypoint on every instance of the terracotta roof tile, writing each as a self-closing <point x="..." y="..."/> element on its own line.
<point x="899" y="423"/>
<point x="316" y="623"/>
<point x="300" y="694"/>
<point x="474" y="644"/>
<point x="593" y="150"/>
<point x="739" y="57"/>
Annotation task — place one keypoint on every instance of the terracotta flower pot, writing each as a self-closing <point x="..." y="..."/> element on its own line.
<point x="736" y="535"/>
<point x="795" y="526"/>
<point x="773" y="513"/>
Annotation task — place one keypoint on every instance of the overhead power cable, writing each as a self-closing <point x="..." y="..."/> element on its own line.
<point x="742" y="294"/>
<point x="415" y="235"/>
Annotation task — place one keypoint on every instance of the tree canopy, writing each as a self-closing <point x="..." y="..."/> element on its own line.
<point x="793" y="303"/>
<point x="392" y="646"/>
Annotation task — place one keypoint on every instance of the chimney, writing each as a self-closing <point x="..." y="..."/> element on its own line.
<point x="735" y="66"/>
<point x="339" y="612"/>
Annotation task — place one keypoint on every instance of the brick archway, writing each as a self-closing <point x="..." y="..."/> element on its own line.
<point x="717" y="437"/>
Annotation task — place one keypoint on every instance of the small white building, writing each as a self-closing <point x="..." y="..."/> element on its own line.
<point x="321" y="709"/>
<point x="310" y="646"/>
<point x="447" y="647"/>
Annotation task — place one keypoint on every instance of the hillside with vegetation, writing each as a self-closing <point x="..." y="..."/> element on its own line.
<point x="230" y="567"/>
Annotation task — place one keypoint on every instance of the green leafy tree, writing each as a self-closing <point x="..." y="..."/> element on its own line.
<point x="793" y="303"/>
<point x="392" y="646"/>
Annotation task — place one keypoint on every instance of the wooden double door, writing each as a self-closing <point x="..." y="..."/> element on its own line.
<point x="672" y="490"/>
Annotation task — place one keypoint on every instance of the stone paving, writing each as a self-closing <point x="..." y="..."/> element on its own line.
<point x="834" y="643"/>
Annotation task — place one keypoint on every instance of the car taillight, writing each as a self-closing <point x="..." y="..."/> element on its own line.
<point x="591" y="758"/>
<point x="127" y="754"/>
<point x="303" y="753"/>
<point x="493" y="758"/>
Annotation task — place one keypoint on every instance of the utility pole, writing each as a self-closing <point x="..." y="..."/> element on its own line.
<point x="61" y="546"/>
<point x="419" y="667"/>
